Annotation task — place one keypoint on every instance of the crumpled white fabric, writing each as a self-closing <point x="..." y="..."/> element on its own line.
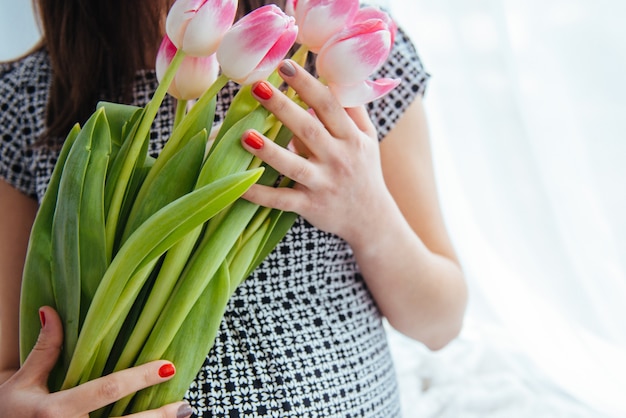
<point x="472" y="378"/>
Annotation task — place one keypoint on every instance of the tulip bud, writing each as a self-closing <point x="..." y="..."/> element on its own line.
<point x="367" y="13"/>
<point x="194" y="76"/>
<point x="349" y="57"/>
<point x="197" y="26"/>
<point x="252" y="48"/>
<point x="318" y="20"/>
<point x="355" y="53"/>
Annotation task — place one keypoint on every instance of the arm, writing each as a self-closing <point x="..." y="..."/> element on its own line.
<point x="17" y="215"/>
<point x="382" y="201"/>
<point x="411" y="268"/>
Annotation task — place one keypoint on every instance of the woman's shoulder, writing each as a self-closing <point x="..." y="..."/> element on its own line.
<point x="16" y="71"/>
<point x="24" y="85"/>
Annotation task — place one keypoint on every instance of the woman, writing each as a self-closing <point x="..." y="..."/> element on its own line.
<point x="303" y="335"/>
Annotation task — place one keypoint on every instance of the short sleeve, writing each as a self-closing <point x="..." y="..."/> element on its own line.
<point x="23" y="92"/>
<point x="405" y="64"/>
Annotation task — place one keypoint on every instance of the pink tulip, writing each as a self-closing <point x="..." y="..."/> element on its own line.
<point x="197" y="26"/>
<point x="367" y="13"/>
<point x="349" y="57"/>
<point x="194" y="76"/>
<point x="318" y="20"/>
<point x="354" y="53"/>
<point x="256" y="44"/>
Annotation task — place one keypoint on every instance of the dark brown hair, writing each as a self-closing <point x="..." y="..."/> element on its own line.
<point x="96" y="49"/>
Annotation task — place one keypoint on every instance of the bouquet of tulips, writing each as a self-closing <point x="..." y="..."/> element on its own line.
<point x="140" y="255"/>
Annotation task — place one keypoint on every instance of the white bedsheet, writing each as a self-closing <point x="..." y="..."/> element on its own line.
<point x="474" y="379"/>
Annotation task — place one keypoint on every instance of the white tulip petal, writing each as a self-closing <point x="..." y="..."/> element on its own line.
<point x="364" y="92"/>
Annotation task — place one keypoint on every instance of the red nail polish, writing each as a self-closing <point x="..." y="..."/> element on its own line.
<point x="262" y="90"/>
<point x="42" y="318"/>
<point x="167" y="370"/>
<point x="253" y="140"/>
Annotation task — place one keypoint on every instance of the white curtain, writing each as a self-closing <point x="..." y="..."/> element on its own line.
<point x="527" y="114"/>
<point x="526" y="109"/>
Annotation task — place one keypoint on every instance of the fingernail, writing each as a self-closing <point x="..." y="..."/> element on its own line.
<point x="253" y="140"/>
<point x="262" y="90"/>
<point x="42" y="318"/>
<point x="287" y="69"/>
<point x="167" y="370"/>
<point x="184" y="411"/>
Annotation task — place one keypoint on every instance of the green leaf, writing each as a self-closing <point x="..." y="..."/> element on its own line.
<point x="242" y="104"/>
<point x="109" y="349"/>
<point x="281" y="223"/>
<point x="206" y="315"/>
<point x="66" y="264"/>
<point x="121" y="134"/>
<point x="228" y="156"/>
<point x="37" y="276"/>
<point x="155" y="236"/>
<point x="92" y="237"/>
<point x="168" y="275"/>
<point x="202" y="266"/>
<point x="177" y="177"/>
<point x="118" y="116"/>
<point x="246" y="254"/>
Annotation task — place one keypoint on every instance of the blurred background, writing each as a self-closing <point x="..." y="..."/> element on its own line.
<point x="526" y="107"/>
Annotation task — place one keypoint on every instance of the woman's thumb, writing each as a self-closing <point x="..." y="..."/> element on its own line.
<point x="46" y="351"/>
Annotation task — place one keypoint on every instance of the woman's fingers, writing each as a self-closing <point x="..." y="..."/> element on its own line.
<point x="317" y="96"/>
<point x="46" y="351"/>
<point x="100" y="392"/>
<point x="362" y="120"/>
<point x="175" y="410"/>
<point x="283" y="160"/>
<point x="303" y="125"/>
<point x="281" y="198"/>
<point x="95" y="394"/>
<point x="314" y="130"/>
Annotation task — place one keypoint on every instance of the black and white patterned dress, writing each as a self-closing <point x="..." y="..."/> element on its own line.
<point x="302" y="335"/>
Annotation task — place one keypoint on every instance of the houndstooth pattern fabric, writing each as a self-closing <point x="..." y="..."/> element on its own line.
<point x="302" y="336"/>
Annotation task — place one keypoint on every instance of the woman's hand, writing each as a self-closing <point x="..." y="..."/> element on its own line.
<point x="385" y="208"/>
<point x="25" y="394"/>
<point x="340" y="186"/>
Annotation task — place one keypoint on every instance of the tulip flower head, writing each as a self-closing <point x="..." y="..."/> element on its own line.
<point x="197" y="26"/>
<point x="254" y="46"/>
<point x="368" y="13"/>
<point x="318" y="20"/>
<point x="194" y="76"/>
<point x="349" y="57"/>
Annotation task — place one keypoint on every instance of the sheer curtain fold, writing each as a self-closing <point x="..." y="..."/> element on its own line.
<point x="526" y="106"/>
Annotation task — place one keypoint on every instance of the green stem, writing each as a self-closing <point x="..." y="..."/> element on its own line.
<point x="179" y="132"/>
<point x="166" y="280"/>
<point x="255" y="224"/>
<point x="181" y="109"/>
<point x="143" y="130"/>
